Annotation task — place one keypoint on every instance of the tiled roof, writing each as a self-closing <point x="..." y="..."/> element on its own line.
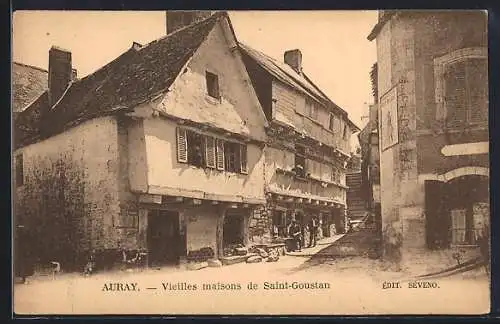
<point x="136" y="76"/>
<point x="289" y="76"/>
<point x="28" y="83"/>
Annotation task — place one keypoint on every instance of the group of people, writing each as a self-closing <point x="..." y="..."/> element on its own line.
<point x="296" y="232"/>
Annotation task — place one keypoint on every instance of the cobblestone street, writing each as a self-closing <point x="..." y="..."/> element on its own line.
<point x="343" y="286"/>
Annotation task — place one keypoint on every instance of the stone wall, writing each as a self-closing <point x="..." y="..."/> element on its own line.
<point x="259" y="226"/>
<point x="69" y="199"/>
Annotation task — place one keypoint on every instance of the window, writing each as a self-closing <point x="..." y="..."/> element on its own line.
<point x="279" y="222"/>
<point x="243" y="159"/>
<point x="331" y="124"/>
<point x="191" y="147"/>
<point x="335" y="175"/>
<point x="311" y="109"/>
<point x="345" y="134"/>
<point x="467" y="224"/>
<point x="300" y="161"/>
<point x="206" y="151"/>
<point x="210" y="152"/>
<point x="466" y="92"/>
<point x="220" y="154"/>
<point x="195" y="147"/>
<point x="213" y="85"/>
<point x="461" y="87"/>
<point x="19" y="170"/>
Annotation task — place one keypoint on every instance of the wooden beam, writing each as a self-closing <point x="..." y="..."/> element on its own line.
<point x="150" y="199"/>
<point x="196" y="201"/>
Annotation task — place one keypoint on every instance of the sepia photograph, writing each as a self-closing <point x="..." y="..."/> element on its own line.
<point x="198" y="162"/>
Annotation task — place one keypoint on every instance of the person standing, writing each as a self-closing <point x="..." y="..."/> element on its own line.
<point x="313" y="230"/>
<point x="295" y="233"/>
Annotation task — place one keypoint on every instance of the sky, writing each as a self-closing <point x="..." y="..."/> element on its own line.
<point x="335" y="52"/>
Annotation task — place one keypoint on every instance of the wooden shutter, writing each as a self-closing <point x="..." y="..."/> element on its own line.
<point x="477" y="84"/>
<point x="324" y="172"/>
<point x="455" y="94"/>
<point x="220" y="154"/>
<point x="210" y="151"/>
<point x="182" y="155"/>
<point x="243" y="159"/>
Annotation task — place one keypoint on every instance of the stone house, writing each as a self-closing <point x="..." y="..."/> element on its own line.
<point x="433" y="111"/>
<point x="159" y="150"/>
<point x="307" y="149"/>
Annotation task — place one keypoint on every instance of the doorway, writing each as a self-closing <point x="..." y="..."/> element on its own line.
<point x="163" y="238"/>
<point x="233" y="230"/>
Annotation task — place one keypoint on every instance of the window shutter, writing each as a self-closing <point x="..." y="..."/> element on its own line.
<point x="455" y="94"/>
<point x="220" y="154"/>
<point x="181" y="145"/>
<point x="477" y="83"/>
<point x="210" y="151"/>
<point x="324" y="171"/>
<point x="243" y="159"/>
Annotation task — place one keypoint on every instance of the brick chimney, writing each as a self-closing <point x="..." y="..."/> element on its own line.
<point x="177" y="19"/>
<point x="61" y="73"/>
<point x="294" y="59"/>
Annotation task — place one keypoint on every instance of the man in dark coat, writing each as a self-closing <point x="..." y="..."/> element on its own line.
<point x="313" y="230"/>
<point x="295" y="233"/>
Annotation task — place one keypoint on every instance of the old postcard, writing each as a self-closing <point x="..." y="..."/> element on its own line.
<point x="250" y="162"/>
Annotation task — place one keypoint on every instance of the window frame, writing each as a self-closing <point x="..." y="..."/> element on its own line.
<point x="302" y="156"/>
<point x="212" y="80"/>
<point x="440" y="65"/>
<point x="219" y="151"/>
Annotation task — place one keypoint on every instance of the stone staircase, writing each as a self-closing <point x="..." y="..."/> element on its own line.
<point x="355" y="201"/>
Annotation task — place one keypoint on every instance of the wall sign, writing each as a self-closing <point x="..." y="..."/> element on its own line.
<point x="466" y="149"/>
<point x="389" y="119"/>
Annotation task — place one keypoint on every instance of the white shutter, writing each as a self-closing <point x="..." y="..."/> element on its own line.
<point x="220" y="154"/>
<point x="210" y="151"/>
<point x="181" y="145"/>
<point x="243" y="159"/>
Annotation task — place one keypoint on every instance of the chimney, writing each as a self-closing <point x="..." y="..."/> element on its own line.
<point x="177" y="19"/>
<point x="294" y="59"/>
<point x="60" y="73"/>
<point x="74" y="74"/>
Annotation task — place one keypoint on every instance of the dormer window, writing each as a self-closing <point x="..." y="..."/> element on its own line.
<point x="212" y="85"/>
